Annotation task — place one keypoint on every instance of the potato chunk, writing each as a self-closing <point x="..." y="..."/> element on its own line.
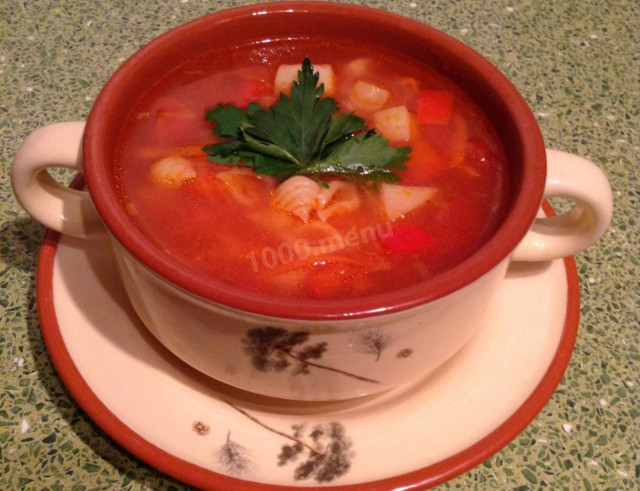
<point x="173" y="171"/>
<point x="399" y="200"/>
<point x="366" y="96"/>
<point x="359" y="67"/>
<point x="394" y="123"/>
<point x="286" y="74"/>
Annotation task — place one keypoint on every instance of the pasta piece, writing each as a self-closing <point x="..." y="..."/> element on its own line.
<point x="302" y="197"/>
<point x="340" y="197"/>
<point x="173" y="171"/>
<point x="399" y="200"/>
<point x="298" y="196"/>
<point x="286" y="74"/>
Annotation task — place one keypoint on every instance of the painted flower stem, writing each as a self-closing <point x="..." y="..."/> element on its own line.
<point x="331" y="369"/>
<point x="277" y="432"/>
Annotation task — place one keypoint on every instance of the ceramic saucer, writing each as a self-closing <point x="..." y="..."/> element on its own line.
<point x="211" y="436"/>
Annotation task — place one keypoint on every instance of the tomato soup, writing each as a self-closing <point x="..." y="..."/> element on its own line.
<point x="313" y="236"/>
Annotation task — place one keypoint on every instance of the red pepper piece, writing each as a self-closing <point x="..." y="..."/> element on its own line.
<point x="408" y="238"/>
<point x="434" y="106"/>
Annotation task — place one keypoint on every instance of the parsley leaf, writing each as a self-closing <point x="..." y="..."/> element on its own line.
<point x="365" y="155"/>
<point x="300" y="135"/>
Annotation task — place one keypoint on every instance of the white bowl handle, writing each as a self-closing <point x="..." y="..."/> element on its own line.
<point x="582" y="181"/>
<point x="56" y="206"/>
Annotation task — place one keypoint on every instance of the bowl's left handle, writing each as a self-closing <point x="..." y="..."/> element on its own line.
<point x="68" y="211"/>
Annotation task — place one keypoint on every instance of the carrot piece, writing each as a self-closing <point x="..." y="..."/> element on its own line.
<point x="327" y="280"/>
<point x="434" y="106"/>
<point x="424" y="163"/>
<point x="408" y="238"/>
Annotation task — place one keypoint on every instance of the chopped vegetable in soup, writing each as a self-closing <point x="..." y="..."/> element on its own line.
<point x="364" y="173"/>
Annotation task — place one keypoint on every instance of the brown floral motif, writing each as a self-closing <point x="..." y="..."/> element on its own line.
<point x="276" y="349"/>
<point x="234" y="457"/>
<point x="404" y="353"/>
<point x="322" y="452"/>
<point x="330" y="459"/>
<point x="201" y="428"/>
<point x="371" y="342"/>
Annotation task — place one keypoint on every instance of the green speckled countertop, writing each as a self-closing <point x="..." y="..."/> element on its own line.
<point x="577" y="63"/>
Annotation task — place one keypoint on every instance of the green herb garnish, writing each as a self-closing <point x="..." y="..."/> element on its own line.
<point x="299" y="135"/>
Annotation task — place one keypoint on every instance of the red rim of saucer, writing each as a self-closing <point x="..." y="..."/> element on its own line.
<point x="194" y="475"/>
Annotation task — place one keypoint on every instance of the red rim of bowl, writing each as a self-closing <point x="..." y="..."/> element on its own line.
<point x="489" y="88"/>
<point x="426" y="477"/>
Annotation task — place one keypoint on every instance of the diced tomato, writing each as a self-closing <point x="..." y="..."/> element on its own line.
<point x="408" y="238"/>
<point x="424" y="163"/>
<point x="434" y="106"/>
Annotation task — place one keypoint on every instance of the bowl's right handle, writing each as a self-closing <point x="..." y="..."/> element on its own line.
<point x="582" y="181"/>
<point x="56" y="206"/>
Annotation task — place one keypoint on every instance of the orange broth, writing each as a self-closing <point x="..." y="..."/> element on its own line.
<point x="230" y="230"/>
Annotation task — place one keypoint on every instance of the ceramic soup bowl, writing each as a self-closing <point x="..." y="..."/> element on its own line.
<point x="303" y="349"/>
